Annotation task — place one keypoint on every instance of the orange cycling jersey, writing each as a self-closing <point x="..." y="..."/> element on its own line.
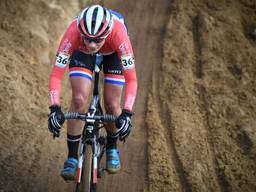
<point x="117" y="41"/>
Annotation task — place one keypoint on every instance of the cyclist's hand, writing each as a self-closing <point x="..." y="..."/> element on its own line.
<point x="55" y="120"/>
<point x="123" y="124"/>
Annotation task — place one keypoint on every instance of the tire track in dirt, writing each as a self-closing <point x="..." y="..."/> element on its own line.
<point x="196" y="22"/>
<point x="185" y="185"/>
<point x="197" y="28"/>
<point x="182" y="116"/>
<point x="220" y="176"/>
<point x="164" y="116"/>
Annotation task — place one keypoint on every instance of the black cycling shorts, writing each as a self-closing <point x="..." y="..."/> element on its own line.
<point x="82" y="65"/>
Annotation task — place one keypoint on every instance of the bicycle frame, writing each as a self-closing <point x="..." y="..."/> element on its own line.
<point x="92" y="143"/>
<point x="90" y="133"/>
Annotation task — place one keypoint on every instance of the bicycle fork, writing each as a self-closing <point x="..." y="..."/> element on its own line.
<point x="94" y="163"/>
<point x="80" y="163"/>
<point x="94" y="159"/>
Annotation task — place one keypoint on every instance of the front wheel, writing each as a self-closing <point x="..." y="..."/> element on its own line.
<point x="86" y="184"/>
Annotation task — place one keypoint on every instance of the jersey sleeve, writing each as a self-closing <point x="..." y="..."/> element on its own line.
<point x="68" y="43"/>
<point x="123" y="46"/>
<point x="130" y="88"/>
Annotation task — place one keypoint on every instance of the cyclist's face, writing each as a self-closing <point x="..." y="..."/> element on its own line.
<point x="93" y="46"/>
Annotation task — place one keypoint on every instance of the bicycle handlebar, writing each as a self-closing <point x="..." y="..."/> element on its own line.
<point x="84" y="116"/>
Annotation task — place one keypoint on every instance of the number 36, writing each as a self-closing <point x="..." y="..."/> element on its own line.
<point x="128" y="62"/>
<point x="62" y="60"/>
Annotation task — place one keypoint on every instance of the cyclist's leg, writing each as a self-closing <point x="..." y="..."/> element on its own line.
<point x="112" y="100"/>
<point x="80" y="71"/>
<point x="113" y="85"/>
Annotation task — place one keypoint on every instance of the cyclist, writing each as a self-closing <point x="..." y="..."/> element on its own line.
<point x="97" y="30"/>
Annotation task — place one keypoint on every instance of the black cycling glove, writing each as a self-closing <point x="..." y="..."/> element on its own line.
<point x="55" y="120"/>
<point x="123" y="124"/>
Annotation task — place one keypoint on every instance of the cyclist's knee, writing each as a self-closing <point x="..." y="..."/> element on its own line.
<point x="113" y="108"/>
<point x="78" y="102"/>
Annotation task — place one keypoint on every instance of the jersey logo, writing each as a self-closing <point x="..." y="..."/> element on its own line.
<point x="62" y="60"/>
<point x="127" y="61"/>
<point x="123" y="48"/>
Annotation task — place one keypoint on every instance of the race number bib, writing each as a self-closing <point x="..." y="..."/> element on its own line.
<point x="127" y="61"/>
<point x="62" y="60"/>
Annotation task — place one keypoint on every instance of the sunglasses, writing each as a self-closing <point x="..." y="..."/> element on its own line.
<point x="95" y="40"/>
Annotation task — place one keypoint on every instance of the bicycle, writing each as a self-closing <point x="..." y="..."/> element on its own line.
<point x="93" y="143"/>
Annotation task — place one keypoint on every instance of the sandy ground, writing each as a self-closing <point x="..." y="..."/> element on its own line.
<point x="195" y="110"/>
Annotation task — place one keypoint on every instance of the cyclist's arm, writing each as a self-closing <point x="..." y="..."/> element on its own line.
<point x="123" y="46"/>
<point x="130" y="88"/>
<point x="66" y="47"/>
<point x="55" y="84"/>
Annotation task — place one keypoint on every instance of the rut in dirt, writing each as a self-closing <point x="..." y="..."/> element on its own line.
<point x="197" y="29"/>
<point x="206" y="68"/>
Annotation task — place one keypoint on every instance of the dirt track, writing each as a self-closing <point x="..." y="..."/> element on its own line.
<point x="195" y="110"/>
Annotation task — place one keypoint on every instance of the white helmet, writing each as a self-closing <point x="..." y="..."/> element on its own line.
<point x="95" y="22"/>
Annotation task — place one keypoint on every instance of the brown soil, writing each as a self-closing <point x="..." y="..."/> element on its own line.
<point x="195" y="110"/>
